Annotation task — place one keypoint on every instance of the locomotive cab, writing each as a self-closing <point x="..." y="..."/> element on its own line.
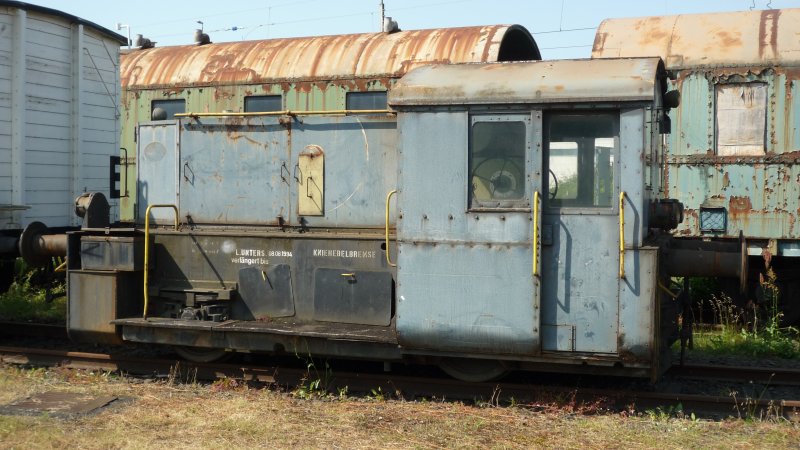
<point x="523" y="230"/>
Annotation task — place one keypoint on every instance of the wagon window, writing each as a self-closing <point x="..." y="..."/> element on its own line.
<point x="581" y="149"/>
<point x="366" y="100"/>
<point x="741" y="120"/>
<point x="170" y="107"/>
<point x="263" y="103"/>
<point x="497" y="162"/>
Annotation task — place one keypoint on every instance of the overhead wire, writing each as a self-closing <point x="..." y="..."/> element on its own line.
<point x="252" y="28"/>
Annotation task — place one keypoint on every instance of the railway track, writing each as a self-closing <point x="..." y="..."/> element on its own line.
<point x="762" y="375"/>
<point x="26" y="329"/>
<point x="405" y="386"/>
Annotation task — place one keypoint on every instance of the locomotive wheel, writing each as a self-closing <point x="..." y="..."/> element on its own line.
<point x="473" y="370"/>
<point x="202" y="354"/>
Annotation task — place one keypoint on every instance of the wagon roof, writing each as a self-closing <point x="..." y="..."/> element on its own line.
<point x="69" y="17"/>
<point x="369" y="55"/>
<point x="744" y="38"/>
<point x="611" y="80"/>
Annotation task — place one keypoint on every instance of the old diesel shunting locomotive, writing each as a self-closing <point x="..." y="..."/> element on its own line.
<point x="732" y="160"/>
<point x="367" y="196"/>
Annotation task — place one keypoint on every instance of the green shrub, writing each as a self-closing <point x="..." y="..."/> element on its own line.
<point x="35" y="296"/>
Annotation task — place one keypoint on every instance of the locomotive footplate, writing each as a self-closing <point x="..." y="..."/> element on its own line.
<point x="277" y="336"/>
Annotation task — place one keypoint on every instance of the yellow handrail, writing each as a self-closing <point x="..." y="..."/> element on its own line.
<point x="286" y="113"/>
<point x="622" y="235"/>
<point x="388" y="257"/>
<point x="536" y="233"/>
<point x="147" y="248"/>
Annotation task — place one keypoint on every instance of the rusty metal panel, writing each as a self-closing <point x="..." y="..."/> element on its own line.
<point x="758" y="193"/>
<point x="693" y="119"/>
<point x="743" y="38"/>
<point x="793" y="122"/>
<point x="760" y="199"/>
<point x="530" y="82"/>
<point x="319" y="58"/>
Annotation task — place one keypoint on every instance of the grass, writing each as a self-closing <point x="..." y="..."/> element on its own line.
<point x="34" y="297"/>
<point x="226" y="414"/>
<point x="751" y="330"/>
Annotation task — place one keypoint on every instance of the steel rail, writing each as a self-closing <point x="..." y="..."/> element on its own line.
<point x="767" y="375"/>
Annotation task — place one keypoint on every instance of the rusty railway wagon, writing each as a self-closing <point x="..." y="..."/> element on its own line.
<point x="437" y="196"/>
<point x="732" y="157"/>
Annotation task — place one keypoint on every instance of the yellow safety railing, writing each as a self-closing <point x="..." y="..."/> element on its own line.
<point x="622" y="235"/>
<point x="147" y="248"/>
<point x="388" y="257"/>
<point x="536" y="233"/>
<point x="286" y="112"/>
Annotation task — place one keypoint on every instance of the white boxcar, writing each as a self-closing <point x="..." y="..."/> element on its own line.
<point x="59" y="113"/>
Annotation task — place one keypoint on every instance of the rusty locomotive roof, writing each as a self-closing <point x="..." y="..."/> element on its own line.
<point x="618" y="79"/>
<point x="323" y="57"/>
<point x="744" y="38"/>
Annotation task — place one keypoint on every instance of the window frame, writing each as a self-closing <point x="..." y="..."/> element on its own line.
<point x="520" y="204"/>
<point x="559" y="208"/>
<point x="363" y="94"/>
<point x="279" y="97"/>
<point x="764" y="140"/>
<point x="167" y="101"/>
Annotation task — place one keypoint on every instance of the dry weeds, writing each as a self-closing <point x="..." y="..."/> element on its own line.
<point x="160" y="414"/>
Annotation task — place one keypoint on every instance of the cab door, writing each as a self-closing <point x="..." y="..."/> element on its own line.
<point x="580" y="232"/>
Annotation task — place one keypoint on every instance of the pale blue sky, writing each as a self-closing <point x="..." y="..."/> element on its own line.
<point x="170" y="22"/>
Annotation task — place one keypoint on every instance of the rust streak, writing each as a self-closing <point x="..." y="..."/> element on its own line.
<point x="768" y="32"/>
<point x="739" y="205"/>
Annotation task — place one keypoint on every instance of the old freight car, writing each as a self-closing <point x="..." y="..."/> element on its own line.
<point x="731" y="158"/>
<point x="59" y="97"/>
<point x="314" y="196"/>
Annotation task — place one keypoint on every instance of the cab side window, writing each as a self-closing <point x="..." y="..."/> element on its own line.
<point x="581" y="159"/>
<point x="497" y="161"/>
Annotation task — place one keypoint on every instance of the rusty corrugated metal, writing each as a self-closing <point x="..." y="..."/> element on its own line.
<point x="628" y="79"/>
<point x="727" y="39"/>
<point x="317" y="58"/>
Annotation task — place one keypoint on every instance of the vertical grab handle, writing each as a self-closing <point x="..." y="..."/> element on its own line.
<point x="536" y="234"/>
<point x="147" y="248"/>
<point x="388" y="256"/>
<point x="622" y="196"/>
